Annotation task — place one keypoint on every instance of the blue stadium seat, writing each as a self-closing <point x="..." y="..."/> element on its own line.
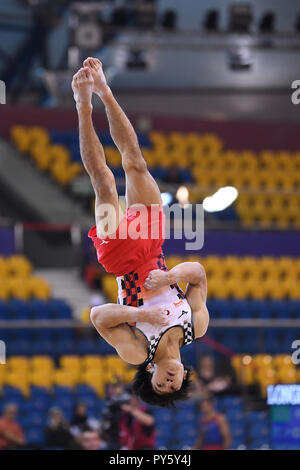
<point x="40" y="309"/>
<point x="60" y="309"/>
<point x="106" y="139"/>
<point x="258" y="430"/>
<point x="85" y="390"/>
<point x="144" y="140"/>
<point x="231" y="402"/>
<point x="64" y="347"/>
<point x="41" y="347"/>
<point x="35" y="435"/>
<point x="19" y="310"/>
<point x="163" y="416"/>
<point x="4" y="310"/>
<point x="19" y="348"/>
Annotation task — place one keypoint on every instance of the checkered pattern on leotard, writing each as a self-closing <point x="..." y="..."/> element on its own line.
<point x="188" y="338"/>
<point x="131" y="290"/>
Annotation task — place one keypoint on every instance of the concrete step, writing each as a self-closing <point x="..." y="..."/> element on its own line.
<point x="67" y="284"/>
<point x="36" y="191"/>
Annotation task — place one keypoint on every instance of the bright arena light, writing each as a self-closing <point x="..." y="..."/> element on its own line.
<point x="182" y="195"/>
<point x="166" y="198"/>
<point x="222" y="199"/>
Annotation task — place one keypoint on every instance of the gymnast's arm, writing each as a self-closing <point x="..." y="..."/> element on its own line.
<point x="111" y="321"/>
<point x="196" y="293"/>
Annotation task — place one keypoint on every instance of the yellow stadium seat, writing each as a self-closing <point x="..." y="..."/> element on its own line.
<point x="39" y="288"/>
<point x="85" y="315"/>
<point x="263" y="361"/>
<point x="244" y="369"/>
<point x="158" y="139"/>
<point x="58" y="154"/>
<point x="18" y="363"/>
<point x="114" y="362"/>
<point x="286" y="375"/>
<point x="42" y="363"/>
<point x="75" y="169"/>
<point x="18" y="265"/>
<point x="18" y="379"/>
<point x="92" y="362"/>
<point x="38" y="135"/>
<point x="19" y="288"/>
<point x="110" y="287"/>
<point x="65" y="377"/>
<point x="42" y="378"/>
<point x="128" y="374"/>
<point x="113" y="156"/>
<point x="4" y="289"/>
<point x="94" y="378"/>
<point x="4" y="270"/>
<point x="3" y="371"/>
<point x="283" y="361"/>
<point x="70" y="362"/>
<point x="41" y="157"/>
<point x="21" y="138"/>
<point x="61" y="174"/>
<point x="172" y="261"/>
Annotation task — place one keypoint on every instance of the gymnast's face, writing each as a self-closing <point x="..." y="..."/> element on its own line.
<point x="167" y="376"/>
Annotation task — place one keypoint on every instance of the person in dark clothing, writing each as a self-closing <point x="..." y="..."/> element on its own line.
<point x="81" y="422"/>
<point x="111" y="416"/>
<point x="137" y="426"/>
<point x="216" y="378"/>
<point x="57" y="433"/>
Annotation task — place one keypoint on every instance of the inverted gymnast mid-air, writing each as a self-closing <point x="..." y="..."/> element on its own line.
<point x="153" y="317"/>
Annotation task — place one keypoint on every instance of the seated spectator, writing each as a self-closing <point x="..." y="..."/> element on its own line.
<point x="215" y="378"/>
<point x="90" y="440"/>
<point x="57" y="433"/>
<point x="11" y="433"/>
<point x="214" y="432"/>
<point x="81" y="422"/>
<point x="111" y="416"/>
<point x="137" y="426"/>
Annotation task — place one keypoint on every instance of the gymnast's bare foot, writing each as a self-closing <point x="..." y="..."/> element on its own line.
<point x="82" y="86"/>
<point x="100" y="85"/>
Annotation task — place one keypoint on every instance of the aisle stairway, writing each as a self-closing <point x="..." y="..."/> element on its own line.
<point x="66" y="284"/>
<point x="34" y="190"/>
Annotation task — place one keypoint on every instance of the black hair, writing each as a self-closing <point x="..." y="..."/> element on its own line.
<point x="142" y="387"/>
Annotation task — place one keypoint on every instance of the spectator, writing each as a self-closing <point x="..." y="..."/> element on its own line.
<point x="112" y="413"/>
<point x="90" y="440"/>
<point x="57" y="433"/>
<point x="11" y="433"/>
<point x="214" y="433"/>
<point x="214" y="379"/>
<point x="137" y="426"/>
<point x="81" y="422"/>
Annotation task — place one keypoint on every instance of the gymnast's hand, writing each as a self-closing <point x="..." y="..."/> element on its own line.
<point x="154" y="315"/>
<point x="157" y="279"/>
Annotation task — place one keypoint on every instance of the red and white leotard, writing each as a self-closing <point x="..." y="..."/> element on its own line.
<point x="131" y="260"/>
